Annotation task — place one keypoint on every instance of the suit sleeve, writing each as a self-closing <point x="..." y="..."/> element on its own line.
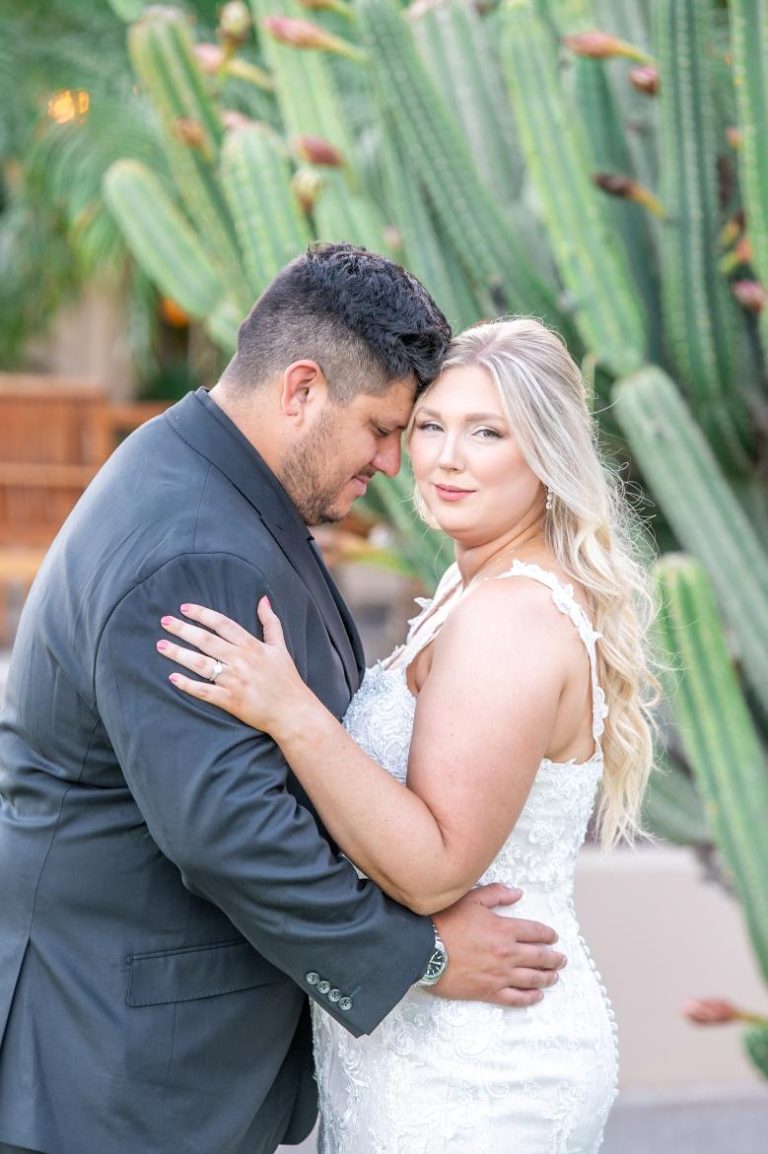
<point x="213" y="794"/>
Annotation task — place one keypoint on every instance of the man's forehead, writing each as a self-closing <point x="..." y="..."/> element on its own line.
<point x="394" y="406"/>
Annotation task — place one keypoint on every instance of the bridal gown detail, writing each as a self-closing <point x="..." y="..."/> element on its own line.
<point x="449" y="1077"/>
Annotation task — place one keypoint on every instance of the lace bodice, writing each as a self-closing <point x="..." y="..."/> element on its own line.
<point x="542" y="848"/>
<point x="446" y="1077"/>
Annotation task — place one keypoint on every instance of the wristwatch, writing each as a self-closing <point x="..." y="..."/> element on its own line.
<point x="438" y="960"/>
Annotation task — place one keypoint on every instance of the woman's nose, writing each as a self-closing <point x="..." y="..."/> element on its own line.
<point x="449" y="457"/>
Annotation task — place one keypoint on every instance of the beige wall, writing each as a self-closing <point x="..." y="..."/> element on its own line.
<point x="660" y="935"/>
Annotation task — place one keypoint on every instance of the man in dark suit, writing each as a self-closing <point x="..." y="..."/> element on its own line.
<point x="167" y="896"/>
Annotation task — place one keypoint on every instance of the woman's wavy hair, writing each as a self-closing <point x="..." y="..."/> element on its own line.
<point x="594" y="535"/>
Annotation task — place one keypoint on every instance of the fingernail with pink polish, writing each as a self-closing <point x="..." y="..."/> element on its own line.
<point x="161" y="645"/>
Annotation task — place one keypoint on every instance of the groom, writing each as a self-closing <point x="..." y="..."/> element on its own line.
<point x="168" y="898"/>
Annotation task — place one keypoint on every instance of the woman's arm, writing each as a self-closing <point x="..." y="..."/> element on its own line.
<point x="483" y="722"/>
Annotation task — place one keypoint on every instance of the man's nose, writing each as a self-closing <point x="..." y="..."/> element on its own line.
<point x="389" y="456"/>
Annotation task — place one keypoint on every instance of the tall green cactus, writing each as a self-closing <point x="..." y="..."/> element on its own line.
<point x="594" y="270"/>
<point x="749" y="37"/>
<point x="722" y="744"/>
<point x="701" y="508"/>
<point x="699" y="312"/>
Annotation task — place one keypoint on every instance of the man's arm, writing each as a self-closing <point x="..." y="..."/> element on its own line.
<point x="213" y="795"/>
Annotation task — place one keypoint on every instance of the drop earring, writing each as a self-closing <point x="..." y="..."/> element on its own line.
<point x="548" y="502"/>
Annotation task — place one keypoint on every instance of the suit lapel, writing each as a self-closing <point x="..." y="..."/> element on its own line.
<point x="206" y="428"/>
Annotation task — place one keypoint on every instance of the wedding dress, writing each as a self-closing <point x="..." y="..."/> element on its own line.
<point x="450" y="1077"/>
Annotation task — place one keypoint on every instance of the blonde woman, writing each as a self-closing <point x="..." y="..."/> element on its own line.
<point x="475" y="753"/>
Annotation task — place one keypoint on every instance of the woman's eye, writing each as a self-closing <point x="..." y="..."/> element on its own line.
<point x="489" y="434"/>
<point x="427" y="426"/>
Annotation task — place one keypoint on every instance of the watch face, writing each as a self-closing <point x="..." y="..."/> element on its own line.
<point x="435" y="966"/>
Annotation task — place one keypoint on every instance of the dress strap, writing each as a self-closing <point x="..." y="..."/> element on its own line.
<point x="565" y="600"/>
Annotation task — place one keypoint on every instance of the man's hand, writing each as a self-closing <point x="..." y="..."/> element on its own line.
<point x="495" y="959"/>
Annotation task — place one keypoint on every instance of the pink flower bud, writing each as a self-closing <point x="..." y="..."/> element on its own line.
<point x="645" y="79"/>
<point x="710" y="1011"/>
<point x="750" y="294"/>
<point x="600" y="46"/>
<point x="315" y="150"/>
<point x="210" y="57"/>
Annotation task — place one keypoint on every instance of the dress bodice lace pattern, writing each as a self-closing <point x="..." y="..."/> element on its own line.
<point x="445" y="1077"/>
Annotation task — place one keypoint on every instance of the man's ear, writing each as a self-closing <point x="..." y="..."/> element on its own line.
<point x="303" y="390"/>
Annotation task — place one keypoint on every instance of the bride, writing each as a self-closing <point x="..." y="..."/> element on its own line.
<point x="521" y="693"/>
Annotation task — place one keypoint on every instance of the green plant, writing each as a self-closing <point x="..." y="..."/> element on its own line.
<point x="514" y="160"/>
<point x="722" y="744"/>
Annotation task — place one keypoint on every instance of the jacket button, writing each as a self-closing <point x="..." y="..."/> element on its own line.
<point x="345" y="1004"/>
<point x="334" y="995"/>
<point x="323" y="987"/>
<point x="312" y="978"/>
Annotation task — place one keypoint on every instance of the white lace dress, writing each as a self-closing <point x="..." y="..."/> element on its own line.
<point x="449" y="1077"/>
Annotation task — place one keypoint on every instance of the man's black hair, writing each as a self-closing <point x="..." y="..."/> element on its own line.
<point x="363" y="318"/>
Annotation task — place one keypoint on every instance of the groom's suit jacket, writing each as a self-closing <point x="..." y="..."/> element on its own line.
<point x="167" y="899"/>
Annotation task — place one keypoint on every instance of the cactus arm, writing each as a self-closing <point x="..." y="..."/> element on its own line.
<point x="606" y="306"/>
<point x="161" y="51"/>
<point x="749" y="31"/>
<point x="270" y="226"/>
<point x="341" y="215"/>
<point x="672" y="807"/>
<point x="161" y="239"/>
<point x="720" y="739"/>
<point x="434" y="146"/>
<point x="454" y="46"/>
<point x="426" y="253"/>
<point x="609" y="152"/>
<point x="699" y="314"/>
<point x="305" y="86"/>
<point x="687" y="482"/>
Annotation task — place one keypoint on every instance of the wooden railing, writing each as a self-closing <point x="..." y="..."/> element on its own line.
<point x="55" y="433"/>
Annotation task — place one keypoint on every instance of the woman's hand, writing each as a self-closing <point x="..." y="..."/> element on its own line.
<point x="254" y="680"/>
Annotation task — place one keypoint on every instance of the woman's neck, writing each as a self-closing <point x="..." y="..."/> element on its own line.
<point x="493" y="556"/>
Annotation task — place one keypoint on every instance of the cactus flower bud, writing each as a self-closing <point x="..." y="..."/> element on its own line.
<point x="718" y="1012"/>
<point x="750" y="294"/>
<point x="235" y="21"/>
<point x="645" y="79"/>
<point x="305" y="34"/>
<point x="615" y="184"/>
<point x="189" y="131"/>
<point x="733" y="136"/>
<point x="315" y="150"/>
<point x="210" y="57"/>
<point x="600" y="46"/>
<point x="233" y="120"/>
<point x="306" y="186"/>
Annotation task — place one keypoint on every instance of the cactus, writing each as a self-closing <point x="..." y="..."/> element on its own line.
<point x="723" y="748"/>
<point x="698" y="311"/>
<point x="756" y="1045"/>
<point x="701" y="508"/>
<point x="594" y="270"/>
<point x="749" y="29"/>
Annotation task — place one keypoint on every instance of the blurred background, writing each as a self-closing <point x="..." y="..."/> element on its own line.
<point x="602" y="164"/>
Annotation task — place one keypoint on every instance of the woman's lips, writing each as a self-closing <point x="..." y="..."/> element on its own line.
<point x="449" y="493"/>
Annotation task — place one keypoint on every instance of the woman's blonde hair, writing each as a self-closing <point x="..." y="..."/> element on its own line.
<point x="592" y="533"/>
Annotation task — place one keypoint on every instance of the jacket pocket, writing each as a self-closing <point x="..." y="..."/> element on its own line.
<point x="197" y="972"/>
